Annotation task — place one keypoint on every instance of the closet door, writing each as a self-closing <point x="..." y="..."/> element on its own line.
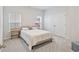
<point x="60" y="25"/>
<point x="1" y="25"/>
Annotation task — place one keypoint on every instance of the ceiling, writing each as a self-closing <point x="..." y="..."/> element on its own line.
<point x="41" y="7"/>
<point x="44" y="8"/>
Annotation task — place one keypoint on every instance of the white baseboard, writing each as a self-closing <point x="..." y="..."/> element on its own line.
<point x="59" y="35"/>
<point x="62" y="36"/>
<point x="6" y="38"/>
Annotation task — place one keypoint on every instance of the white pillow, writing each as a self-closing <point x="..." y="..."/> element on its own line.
<point x="34" y="28"/>
<point x="25" y="28"/>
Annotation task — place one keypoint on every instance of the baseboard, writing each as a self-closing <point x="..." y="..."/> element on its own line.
<point x="66" y="37"/>
<point x="6" y="38"/>
<point x="59" y="36"/>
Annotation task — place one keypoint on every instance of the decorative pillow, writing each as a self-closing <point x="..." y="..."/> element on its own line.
<point x="25" y="28"/>
<point x="34" y="28"/>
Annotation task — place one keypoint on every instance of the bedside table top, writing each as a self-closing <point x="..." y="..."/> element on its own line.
<point x="15" y="29"/>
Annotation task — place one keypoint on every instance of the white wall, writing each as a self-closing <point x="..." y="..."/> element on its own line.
<point x="72" y="20"/>
<point x="27" y="16"/>
<point x="73" y="23"/>
<point x="51" y="15"/>
<point x="1" y="25"/>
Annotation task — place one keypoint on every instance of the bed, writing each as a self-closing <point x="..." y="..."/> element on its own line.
<point x="34" y="37"/>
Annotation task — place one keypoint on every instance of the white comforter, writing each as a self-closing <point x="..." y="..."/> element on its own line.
<point x="32" y="37"/>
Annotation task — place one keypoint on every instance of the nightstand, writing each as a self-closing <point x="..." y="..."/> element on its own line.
<point x="15" y="33"/>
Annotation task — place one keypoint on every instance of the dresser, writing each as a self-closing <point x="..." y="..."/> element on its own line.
<point x="15" y="33"/>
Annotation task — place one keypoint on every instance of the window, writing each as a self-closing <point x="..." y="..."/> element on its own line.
<point x="14" y="20"/>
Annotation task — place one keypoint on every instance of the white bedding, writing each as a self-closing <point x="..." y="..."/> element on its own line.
<point x="32" y="37"/>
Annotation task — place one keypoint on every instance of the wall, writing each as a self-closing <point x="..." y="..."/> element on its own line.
<point x="1" y="25"/>
<point x="73" y="23"/>
<point x="51" y="16"/>
<point x="72" y="20"/>
<point x="27" y="16"/>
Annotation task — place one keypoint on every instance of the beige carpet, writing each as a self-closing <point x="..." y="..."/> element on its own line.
<point x="58" y="45"/>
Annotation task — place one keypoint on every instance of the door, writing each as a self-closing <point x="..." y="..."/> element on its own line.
<point x="60" y="25"/>
<point x="1" y="25"/>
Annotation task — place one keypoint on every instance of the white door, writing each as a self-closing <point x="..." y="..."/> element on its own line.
<point x="1" y="25"/>
<point x="60" y="25"/>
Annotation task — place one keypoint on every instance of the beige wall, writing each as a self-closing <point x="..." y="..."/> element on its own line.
<point x="27" y="16"/>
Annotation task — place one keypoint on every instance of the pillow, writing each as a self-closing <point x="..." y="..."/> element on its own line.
<point x="25" y="28"/>
<point x="34" y="28"/>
